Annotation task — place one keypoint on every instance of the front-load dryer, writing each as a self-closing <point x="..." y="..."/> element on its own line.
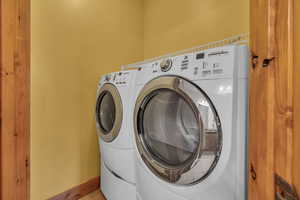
<point x="190" y="126"/>
<point x="113" y="110"/>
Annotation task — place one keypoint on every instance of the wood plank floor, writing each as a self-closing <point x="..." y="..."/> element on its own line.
<point x="97" y="195"/>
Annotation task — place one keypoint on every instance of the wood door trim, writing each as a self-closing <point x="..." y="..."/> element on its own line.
<point x="261" y="126"/>
<point x="296" y="96"/>
<point x="284" y="106"/>
<point x="271" y="95"/>
<point x="14" y="97"/>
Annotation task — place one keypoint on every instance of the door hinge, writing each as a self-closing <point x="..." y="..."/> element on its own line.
<point x="283" y="190"/>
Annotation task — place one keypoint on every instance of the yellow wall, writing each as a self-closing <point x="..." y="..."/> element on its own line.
<point x="113" y="35"/>
<point x="171" y="25"/>
<point x="73" y="43"/>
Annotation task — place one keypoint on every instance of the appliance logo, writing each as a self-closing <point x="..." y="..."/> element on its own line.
<point x="154" y="67"/>
<point x="219" y="53"/>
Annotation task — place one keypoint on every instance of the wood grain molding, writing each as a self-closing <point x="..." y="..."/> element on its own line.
<point x="14" y="98"/>
<point x="79" y="191"/>
<point x="272" y="134"/>
<point x="296" y="74"/>
<point x="283" y="96"/>
<point x="261" y="121"/>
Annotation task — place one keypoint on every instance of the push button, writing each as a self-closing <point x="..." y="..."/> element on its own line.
<point x="205" y="65"/>
<point x="216" y="65"/>
<point x="108" y="77"/>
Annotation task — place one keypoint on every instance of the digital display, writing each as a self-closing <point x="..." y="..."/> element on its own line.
<point x="200" y="56"/>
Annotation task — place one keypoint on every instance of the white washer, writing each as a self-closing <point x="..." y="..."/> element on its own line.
<point x="190" y="126"/>
<point x="115" y="188"/>
<point x="114" y="106"/>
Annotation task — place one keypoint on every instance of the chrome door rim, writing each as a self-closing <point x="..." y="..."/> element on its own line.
<point x="114" y="132"/>
<point x="166" y="172"/>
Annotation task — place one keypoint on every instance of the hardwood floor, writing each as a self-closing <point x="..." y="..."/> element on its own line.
<point x="97" y="195"/>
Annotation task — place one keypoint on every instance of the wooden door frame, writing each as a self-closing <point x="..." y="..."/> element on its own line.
<point x="296" y="161"/>
<point x="15" y="99"/>
<point x="271" y="134"/>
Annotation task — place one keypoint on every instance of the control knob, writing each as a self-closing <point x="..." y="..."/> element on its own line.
<point x="107" y="77"/>
<point x="166" y="65"/>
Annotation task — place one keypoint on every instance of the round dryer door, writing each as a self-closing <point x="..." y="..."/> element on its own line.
<point x="109" y="112"/>
<point x="178" y="131"/>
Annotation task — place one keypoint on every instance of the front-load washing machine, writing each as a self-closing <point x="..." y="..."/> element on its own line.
<point x="113" y="110"/>
<point x="190" y="126"/>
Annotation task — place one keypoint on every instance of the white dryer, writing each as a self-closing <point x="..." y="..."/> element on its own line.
<point x="190" y="126"/>
<point x="114" y="106"/>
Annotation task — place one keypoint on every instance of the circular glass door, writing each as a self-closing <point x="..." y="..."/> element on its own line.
<point x="108" y="112"/>
<point x="178" y="132"/>
<point x="167" y="112"/>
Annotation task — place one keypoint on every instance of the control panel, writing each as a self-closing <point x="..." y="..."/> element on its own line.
<point x="214" y="63"/>
<point x="183" y="63"/>
<point x="118" y="78"/>
<point x="220" y="62"/>
<point x="170" y="65"/>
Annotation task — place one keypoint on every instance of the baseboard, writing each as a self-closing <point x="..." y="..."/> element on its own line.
<point x="79" y="191"/>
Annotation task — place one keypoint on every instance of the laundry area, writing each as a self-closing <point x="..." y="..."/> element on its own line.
<point x="149" y="100"/>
